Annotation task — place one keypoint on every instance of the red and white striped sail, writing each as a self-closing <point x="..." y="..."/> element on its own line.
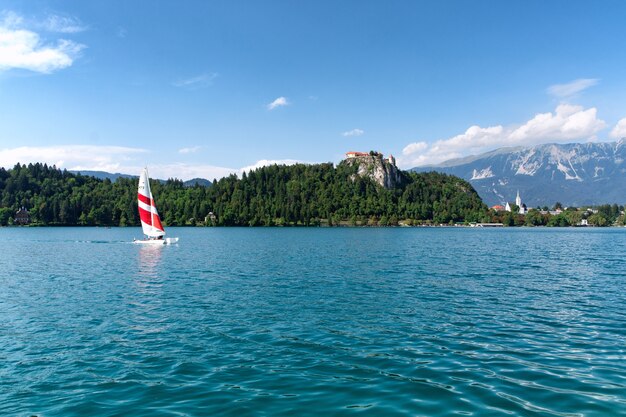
<point x="150" y="221"/>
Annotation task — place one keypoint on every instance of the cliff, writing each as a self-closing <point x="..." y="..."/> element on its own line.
<point x="383" y="171"/>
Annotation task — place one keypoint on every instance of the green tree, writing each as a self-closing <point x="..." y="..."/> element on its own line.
<point x="5" y="215"/>
<point x="534" y="218"/>
<point x="560" y="220"/>
<point x="598" y="219"/>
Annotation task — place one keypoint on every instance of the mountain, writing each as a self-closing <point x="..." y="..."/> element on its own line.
<point x="575" y="174"/>
<point x="197" y="181"/>
<point x="101" y="175"/>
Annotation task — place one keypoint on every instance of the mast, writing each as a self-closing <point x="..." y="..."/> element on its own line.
<point x="150" y="197"/>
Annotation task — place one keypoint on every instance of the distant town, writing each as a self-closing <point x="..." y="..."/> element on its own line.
<point x="518" y="214"/>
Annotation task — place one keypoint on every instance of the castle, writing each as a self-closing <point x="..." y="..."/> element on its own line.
<point x="391" y="159"/>
<point x="373" y="165"/>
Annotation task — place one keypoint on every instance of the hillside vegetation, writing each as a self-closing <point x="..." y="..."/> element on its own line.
<point x="273" y="195"/>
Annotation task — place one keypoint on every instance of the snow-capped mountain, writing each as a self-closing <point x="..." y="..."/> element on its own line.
<point x="575" y="174"/>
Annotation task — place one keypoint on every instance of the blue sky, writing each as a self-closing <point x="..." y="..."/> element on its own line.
<point x="205" y="88"/>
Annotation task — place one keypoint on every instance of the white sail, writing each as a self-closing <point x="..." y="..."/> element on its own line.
<point x="150" y="220"/>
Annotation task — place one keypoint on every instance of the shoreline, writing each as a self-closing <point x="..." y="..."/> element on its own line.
<point x="326" y="226"/>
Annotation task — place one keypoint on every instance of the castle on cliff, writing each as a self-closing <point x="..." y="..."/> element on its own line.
<point x="391" y="159"/>
<point x="373" y="165"/>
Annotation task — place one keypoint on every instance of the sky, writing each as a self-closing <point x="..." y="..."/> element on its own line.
<point x="209" y="88"/>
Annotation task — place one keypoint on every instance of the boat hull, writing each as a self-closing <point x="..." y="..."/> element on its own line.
<point x="166" y="241"/>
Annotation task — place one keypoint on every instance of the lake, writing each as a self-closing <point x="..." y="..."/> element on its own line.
<point x="323" y="321"/>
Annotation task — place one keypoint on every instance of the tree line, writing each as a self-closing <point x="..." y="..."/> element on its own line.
<point x="277" y="195"/>
<point x="599" y="216"/>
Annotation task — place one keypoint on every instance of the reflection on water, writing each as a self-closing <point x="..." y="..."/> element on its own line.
<point x="148" y="277"/>
<point x="146" y="302"/>
<point x="149" y="260"/>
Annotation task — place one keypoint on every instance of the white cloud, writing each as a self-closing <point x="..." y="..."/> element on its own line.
<point x="62" y="24"/>
<point x="567" y="123"/>
<point x="473" y="137"/>
<point x="187" y="171"/>
<point x="107" y="158"/>
<point x="429" y="157"/>
<point x="197" y="82"/>
<point x="572" y="88"/>
<point x="414" y="147"/>
<point x="353" y="132"/>
<point x="267" y="162"/>
<point x="279" y="102"/>
<point x="619" y="131"/>
<point x="192" y="149"/>
<point x="23" y="49"/>
<point x="72" y="157"/>
<point x="10" y="19"/>
<point x="121" y="159"/>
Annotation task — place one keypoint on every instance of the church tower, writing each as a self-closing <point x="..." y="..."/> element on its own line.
<point x="518" y="200"/>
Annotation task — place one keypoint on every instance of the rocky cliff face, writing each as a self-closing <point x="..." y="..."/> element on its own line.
<point x="382" y="171"/>
<point x="574" y="174"/>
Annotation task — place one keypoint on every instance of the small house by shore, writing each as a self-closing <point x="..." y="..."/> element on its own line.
<point x="22" y="217"/>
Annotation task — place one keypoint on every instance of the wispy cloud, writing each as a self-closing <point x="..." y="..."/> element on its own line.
<point x="121" y="32"/>
<point x="572" y="88"/>
<point x="197" y="82"/>
<point x="98" y="158"/>
<point x="192" y="149"/>
<point x="62" y="24"/>
<point x="113" y="159"/>
<point x="566" y="123"/>
<point x="353" y="132"/>
<point x="122" y="159"/>
<point x="279" y="102"/>
<point x="21" y="48"/>
<point x="10" y="19"/>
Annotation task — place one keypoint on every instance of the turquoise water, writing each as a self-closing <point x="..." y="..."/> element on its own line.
<point x="285" y="322"/>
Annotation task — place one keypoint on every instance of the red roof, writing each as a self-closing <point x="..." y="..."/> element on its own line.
<point x="498" y="207"/>
<point x="357" y="153"/>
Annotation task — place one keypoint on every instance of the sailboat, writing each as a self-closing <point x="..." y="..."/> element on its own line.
<point x="150" y="220"/>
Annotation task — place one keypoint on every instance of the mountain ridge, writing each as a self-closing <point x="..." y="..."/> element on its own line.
<point x="101" y="175"/>
<point x="575" y="174"/>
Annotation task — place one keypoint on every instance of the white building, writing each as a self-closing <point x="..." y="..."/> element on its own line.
<point x="518" y="203"/>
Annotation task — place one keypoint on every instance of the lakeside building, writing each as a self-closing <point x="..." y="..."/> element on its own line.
<point x="210" y="218"/>
<point x="551" y="212"/>
<point x="22" y="216"/>
<point x="518" y="202"/>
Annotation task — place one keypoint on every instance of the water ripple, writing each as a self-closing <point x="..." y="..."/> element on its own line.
<point x="241" y="322"/>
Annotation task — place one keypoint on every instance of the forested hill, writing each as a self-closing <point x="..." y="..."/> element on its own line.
<point x="273" y="195"/>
